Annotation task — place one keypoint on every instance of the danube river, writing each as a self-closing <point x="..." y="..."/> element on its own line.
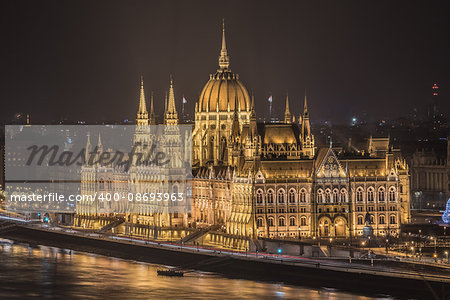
<point x="48" y="273"/>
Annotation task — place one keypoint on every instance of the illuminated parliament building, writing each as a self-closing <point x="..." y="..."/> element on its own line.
<point x="255" y="180"/>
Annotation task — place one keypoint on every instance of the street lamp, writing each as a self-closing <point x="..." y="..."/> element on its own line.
<point x="299" y="237"/>
<point x="446" y="255"/>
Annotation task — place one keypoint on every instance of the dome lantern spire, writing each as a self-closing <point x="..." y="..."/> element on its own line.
<point x="224" y="60"/>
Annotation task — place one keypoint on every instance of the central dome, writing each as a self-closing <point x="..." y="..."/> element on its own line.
<point x="224" y="88"/>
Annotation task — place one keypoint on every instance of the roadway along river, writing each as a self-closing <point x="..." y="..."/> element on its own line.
<point x="48" y="273"/>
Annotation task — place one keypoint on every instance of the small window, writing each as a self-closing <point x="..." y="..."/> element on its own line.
<point x="259" y="222"/>
<point x="392" y="220"/>
<point x="303" y="221"/>
<point x="360" y="220"/>
<point x="292" y="221"/>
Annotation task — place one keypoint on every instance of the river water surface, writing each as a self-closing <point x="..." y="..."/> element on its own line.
<point x="51" y="273"/>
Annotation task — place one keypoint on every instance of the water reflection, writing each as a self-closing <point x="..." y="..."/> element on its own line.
<point x="47" y="272"/>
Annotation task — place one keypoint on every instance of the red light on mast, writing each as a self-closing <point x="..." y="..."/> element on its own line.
<point x="435" y="89"/>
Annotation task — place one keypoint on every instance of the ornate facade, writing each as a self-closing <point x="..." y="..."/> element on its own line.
<point x="271" y="180"/>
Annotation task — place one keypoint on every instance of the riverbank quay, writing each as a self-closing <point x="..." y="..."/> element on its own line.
<point x="317" y="273"/>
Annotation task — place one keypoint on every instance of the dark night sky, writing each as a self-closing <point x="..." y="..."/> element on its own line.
<point x="83" y="59"/>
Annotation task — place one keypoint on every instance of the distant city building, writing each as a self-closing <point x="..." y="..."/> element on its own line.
<point x="430" y="174"/>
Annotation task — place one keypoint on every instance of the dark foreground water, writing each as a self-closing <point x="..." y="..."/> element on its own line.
<point x="52" y="273"/>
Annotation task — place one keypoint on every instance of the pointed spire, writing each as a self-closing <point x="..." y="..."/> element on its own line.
<point x="306" y="127"/>
<point x="171" y="105"/>
<point x="142" y="115"/>
<point x="152" y="111"/>
<point x="142" y="106"/>
<point x="252" y="108"/>
<point x="287" y="113"/>
<point x="88" y="149"/>
<point x="171" y="117"/>
<point x="224" y="60"/>
<point x="99" y="144"/>
<point x="305" y="106"/>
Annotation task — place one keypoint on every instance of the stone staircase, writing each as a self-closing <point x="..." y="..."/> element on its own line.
<point x="112" y="225"/>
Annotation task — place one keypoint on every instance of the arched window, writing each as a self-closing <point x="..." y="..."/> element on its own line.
<point x="335" y="195"/>
<point x="281" y="196"/>
<point x="370" y="194"/>
<point x="303" y="196"/>
<point x="270" y="221"/>
<point x="343" y="195"/>
<point x="270" y="196"/>
<point x="392" y="219"/>
<point x="259" y="196"/>
<point x="291" y="221"/>
<point x="101" y="184"/>
<point x="392" y="194"/>
<point x="303" y="221"/>
<point x="319" y="196"/>
<point x="360" y="220"/>
<point x="327" y="196"/>
<point x="381" y="195"/>
<point x="382" y="219"/>
<point x="281" y="222"/>
<point x="359" y="194"/>
<point x="292" y="196"/>
<point x="259" y="222"/>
